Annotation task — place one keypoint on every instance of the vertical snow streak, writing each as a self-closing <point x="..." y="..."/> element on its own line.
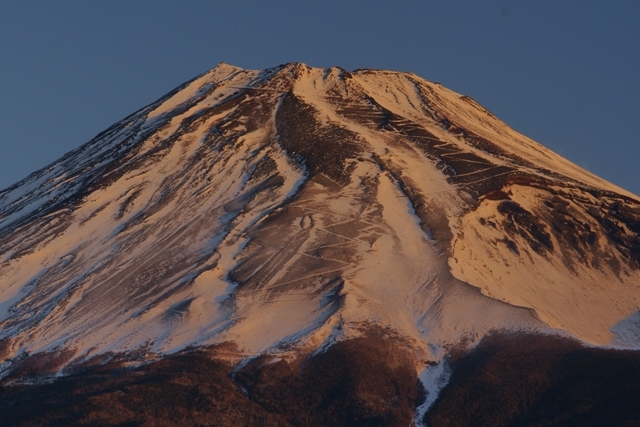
<point x="434" y="378"/>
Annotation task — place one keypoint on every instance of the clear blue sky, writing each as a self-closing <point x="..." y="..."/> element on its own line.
<point x="565" y="73"/>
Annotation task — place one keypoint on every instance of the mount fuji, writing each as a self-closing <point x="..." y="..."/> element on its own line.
<point x="273" y="216"/>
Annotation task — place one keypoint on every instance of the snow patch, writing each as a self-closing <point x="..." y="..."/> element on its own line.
<point x="434" y="377"/>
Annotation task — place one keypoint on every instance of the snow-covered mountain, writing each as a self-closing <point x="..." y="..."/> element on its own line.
<point x="285" y="209"/>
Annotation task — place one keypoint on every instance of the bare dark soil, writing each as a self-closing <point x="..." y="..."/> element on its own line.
<point x="319" y="147"/>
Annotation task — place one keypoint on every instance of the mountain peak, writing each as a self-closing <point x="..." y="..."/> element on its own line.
<point x="289" y="208"/>
<point x="226" y="66"/>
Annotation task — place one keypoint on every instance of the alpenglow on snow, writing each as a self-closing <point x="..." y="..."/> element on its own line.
<point x="289" y="208"/>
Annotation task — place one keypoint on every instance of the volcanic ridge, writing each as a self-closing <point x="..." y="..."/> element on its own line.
<point x="277" y="214"/>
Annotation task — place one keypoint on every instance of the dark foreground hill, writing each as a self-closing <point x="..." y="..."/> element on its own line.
<point x="524" y="381"/>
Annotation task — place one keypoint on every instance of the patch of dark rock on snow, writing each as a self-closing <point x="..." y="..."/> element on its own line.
<point x="323" y="148"/>
<point x="521" y="221"/>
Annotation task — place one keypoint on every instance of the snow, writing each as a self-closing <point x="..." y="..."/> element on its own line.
<point x="434" y="378"/>
<point x="198" y="86"/>
<point x="627" y="332"/>
<point x="576" y="297"/>
<point x="152" y="258"/>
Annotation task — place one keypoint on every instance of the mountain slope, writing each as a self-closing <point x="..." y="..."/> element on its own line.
<point x="284" y="209"/>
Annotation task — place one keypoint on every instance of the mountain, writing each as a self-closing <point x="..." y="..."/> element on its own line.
<point x="293" y="211"/>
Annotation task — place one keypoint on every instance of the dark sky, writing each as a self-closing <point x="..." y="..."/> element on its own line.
<point x="565" y="73"/>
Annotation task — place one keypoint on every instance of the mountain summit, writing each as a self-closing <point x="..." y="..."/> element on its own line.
<point x="283" y="210"/>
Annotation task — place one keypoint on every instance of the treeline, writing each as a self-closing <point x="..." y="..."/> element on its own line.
<point x="362" y="382"/>
<point x="539" y="381"/>
<point x="505" y="381"/>
<point x="187" y="390"/>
